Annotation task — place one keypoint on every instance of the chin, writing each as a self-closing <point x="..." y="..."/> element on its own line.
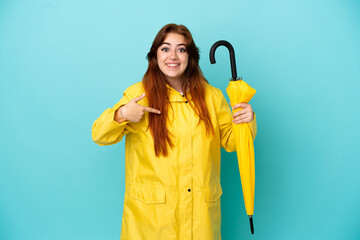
<point x="173" y="75"/>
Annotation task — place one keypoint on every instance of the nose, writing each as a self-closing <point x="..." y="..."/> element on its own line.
<point x="173" y="54"/>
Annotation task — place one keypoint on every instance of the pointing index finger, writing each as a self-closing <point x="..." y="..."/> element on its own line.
<point x="153" y="110"/>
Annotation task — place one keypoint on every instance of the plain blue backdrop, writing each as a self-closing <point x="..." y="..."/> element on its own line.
<point x="62" y="63"/>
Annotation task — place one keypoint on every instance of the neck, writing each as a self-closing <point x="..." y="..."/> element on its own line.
<point x="176" y="84"/>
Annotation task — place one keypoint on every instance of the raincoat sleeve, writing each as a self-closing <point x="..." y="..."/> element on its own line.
<point x="224" y="116"/>
<point x="105" y="130"/>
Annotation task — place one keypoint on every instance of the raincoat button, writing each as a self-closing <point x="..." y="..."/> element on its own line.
<point x="186" y="101"/>
<point x="189" y="190"/>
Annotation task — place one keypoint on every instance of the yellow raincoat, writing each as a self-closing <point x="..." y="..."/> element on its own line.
<point x="178" y="196"/>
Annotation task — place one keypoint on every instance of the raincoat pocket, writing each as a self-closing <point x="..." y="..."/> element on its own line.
<point x="147" y="193"/>
<point x="213" y="193"/>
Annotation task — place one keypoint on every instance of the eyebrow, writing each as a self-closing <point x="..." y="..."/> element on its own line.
<point x="181" y="44"/>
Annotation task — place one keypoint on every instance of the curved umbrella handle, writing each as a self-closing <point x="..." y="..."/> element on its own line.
<point x="232" y="56"/>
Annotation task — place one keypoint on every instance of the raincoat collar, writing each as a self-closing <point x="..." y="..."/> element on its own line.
<point x="175" y="96"/>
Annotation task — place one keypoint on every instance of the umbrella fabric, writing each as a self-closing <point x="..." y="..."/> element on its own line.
<point x="240" y="92"/>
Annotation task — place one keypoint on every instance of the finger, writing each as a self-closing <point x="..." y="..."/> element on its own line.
<point x="237" y="121"/>
<point x="243" y="111"/>
<point x="153" y="110"/>
<point x="240" y="105"/>
<point x="139" y="97"/>
<point x="242" y="117"/>
<point x="240" y="112"/>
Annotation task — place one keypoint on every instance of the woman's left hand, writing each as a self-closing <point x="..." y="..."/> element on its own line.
<point x="246" y="114"/>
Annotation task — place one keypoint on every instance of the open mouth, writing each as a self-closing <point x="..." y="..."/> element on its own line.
<point x="173" y="65"/>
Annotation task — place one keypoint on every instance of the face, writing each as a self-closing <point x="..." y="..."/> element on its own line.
<point x="172" y="56"/>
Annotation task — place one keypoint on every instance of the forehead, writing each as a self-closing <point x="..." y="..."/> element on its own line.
<point x="175" y="39"/>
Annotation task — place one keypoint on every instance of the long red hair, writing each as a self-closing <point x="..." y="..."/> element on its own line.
<point x="154" y="82"/>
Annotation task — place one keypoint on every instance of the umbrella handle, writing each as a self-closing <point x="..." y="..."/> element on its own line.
<point x="251" y="224"/>
<point x="232" y="56"/>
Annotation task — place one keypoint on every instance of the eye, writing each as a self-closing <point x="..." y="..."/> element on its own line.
<point x="182" y="50"/>
<point x="165" y="49"/>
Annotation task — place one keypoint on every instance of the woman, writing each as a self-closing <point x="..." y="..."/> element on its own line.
<point x="175" y="124"/>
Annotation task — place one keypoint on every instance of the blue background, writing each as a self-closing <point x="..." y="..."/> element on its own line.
<point x="62" y="63"/>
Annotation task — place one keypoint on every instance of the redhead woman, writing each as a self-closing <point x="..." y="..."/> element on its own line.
<point x="175" y="123"/>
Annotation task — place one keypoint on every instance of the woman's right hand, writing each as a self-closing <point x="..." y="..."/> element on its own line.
<point x="132" y="111"/>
